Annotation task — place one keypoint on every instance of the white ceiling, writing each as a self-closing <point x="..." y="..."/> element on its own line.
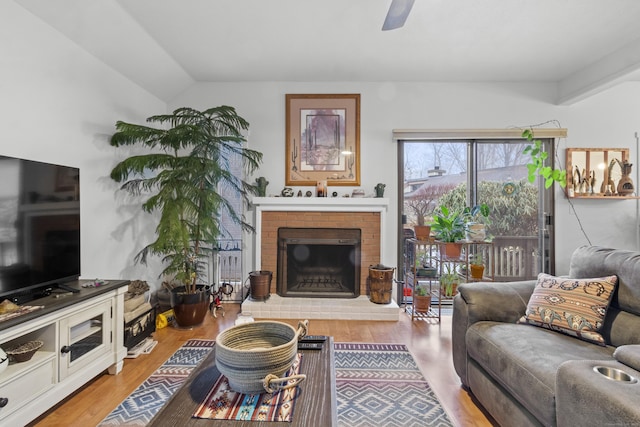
<point x="166" y="45"/>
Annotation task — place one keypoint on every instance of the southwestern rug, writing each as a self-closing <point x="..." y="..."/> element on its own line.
<point x="381" y="385"/>
<point x="145" y="401"/>
<point x="377" y="385"/>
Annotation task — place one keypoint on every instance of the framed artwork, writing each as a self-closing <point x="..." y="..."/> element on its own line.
<point x="323" y="139"/>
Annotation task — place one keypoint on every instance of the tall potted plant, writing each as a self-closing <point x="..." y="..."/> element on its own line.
<point x="188" y="161"/>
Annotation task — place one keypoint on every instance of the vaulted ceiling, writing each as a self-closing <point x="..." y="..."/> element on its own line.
<point x="583" y="46"/>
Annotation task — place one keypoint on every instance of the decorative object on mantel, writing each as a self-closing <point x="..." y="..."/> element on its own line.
<point x="287" y="192"/>
<point x="380" y="190"/>
<point x="322" y="139"/>
<point x="321" y="188"/>
<point x="308" y="193"/>
<point x="357" y="193"/>
<point x="299" y="193"/>
<point x="261" y="183"/>
<point x="334" y="194"/>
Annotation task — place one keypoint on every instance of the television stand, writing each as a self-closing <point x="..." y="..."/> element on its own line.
<point x="82" y="335"/>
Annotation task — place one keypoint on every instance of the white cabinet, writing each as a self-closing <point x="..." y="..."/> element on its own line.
<point x="82" y="336"/>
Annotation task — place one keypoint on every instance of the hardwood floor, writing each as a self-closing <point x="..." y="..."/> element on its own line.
<point x="429" y="342"/>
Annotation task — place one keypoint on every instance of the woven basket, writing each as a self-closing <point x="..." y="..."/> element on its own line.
<point x="23" y="352"/>
<point x="254" y="356"/>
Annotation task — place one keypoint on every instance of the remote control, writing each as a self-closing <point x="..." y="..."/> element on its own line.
<point x="309" y="346"/>
<point x="313" y="338"/>
<point x="68" y="288"/>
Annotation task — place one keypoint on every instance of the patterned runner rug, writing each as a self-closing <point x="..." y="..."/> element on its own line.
<point x="141" y="405"/>
<point x="222" y="403"/>
<point x="381" y="385"/>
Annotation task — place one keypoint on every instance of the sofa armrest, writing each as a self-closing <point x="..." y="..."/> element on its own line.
<point x="475" y="302"/>
<point x="587" y="398"/>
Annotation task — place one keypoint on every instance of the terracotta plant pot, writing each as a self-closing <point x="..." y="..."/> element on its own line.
<point x="421" y="304"/>
<point x="190" y="309"/>
<point x="477" y="271"/>
<point x="454" y="290"/>
<point x="422" y="232"/>
<point x="450" y="249"/>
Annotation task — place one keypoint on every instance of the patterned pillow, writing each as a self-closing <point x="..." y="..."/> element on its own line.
<point x="575" y="307"/>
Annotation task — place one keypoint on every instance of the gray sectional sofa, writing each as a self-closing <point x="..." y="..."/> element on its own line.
<point x="526" y="375"/>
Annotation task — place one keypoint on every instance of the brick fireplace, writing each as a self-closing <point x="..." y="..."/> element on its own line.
<point x="366" y="214"/>
<point x="368" y="222"/>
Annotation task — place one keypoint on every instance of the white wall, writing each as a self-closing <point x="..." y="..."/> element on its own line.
<point x="608" y="119"/>
<point x="59" y="104"/>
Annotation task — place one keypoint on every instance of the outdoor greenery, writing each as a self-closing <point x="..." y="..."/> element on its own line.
<point x="511" y="215"/>
<point x="182" y="176"/>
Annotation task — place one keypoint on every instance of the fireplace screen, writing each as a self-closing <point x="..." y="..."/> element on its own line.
<point x="318" y="262"/>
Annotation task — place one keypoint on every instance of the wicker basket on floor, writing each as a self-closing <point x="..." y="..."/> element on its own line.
<point x="254" y="356"/>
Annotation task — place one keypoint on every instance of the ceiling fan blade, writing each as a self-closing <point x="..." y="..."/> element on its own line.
<point x="397" y="14"/>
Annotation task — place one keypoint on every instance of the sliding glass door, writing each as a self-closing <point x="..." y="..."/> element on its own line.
<point x="467" y="172"/>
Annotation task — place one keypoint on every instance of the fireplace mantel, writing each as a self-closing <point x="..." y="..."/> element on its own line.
<point x="277" y="210"/>
<point x="317" y="204"/>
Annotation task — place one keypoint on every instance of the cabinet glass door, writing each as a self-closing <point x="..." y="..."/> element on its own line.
<point x="85" y="336"/>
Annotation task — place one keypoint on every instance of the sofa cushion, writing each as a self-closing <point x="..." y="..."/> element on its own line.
<point x="575" y="307"/>
<point x="524" y="361"/>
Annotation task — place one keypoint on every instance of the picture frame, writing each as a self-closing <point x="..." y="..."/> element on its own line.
<point x="322" y="139"/>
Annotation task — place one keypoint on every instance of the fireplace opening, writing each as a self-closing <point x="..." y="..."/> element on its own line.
<point x="318" y="262"/>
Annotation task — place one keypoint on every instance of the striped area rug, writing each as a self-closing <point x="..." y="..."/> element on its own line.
<point x="381" y="385"/>
<point x="141" y="405"/>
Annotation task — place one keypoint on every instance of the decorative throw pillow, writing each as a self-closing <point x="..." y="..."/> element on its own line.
<point x="575" y="307"/>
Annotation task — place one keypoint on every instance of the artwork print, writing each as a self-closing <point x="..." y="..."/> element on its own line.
<point x="323" y="139"/>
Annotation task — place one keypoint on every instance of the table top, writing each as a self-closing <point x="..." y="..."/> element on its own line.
<point x="316" y="404"/>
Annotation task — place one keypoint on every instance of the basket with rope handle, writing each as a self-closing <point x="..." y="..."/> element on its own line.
<point x="254" y="356"/>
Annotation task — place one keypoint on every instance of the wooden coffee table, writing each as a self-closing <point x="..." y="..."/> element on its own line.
<point x="316" y="404"/>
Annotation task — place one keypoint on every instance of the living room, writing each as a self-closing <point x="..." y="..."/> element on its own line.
<point x="74" y="97"/>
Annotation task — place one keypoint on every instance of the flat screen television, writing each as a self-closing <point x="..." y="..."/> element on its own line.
<point x="39" y="227"/>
